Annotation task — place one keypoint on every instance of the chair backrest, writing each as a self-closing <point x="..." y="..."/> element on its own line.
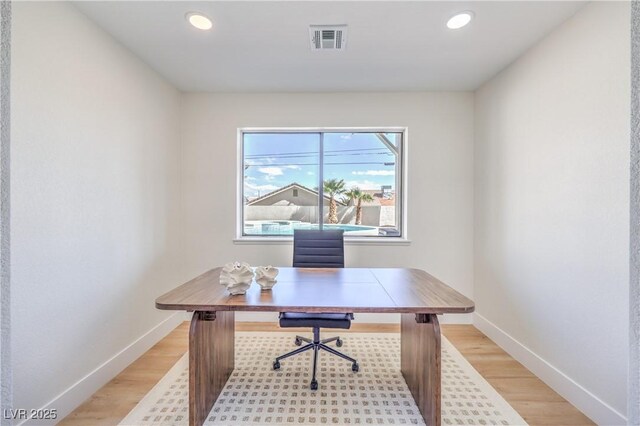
<point x="318" y="249"/>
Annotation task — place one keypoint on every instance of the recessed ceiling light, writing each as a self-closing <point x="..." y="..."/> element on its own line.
<point x="459" y="20"/>
<point x="199" y="21"/>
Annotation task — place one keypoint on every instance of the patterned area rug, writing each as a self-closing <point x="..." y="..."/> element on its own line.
<point x="257" y="395"/>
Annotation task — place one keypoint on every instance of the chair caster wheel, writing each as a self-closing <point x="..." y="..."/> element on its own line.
<point x="298" y="342"/>
<point x="339" y="343"/>
<point x="355" y="367"/>
<point x="314" y="385"/>
<point x="276" y="365"/>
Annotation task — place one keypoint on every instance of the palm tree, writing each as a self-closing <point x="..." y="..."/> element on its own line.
<point x="333" y="187"/>
<point x="351" y="196"/>
<point x="357" y="196"/>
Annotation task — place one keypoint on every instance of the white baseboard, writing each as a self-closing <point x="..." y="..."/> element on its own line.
<point x="359" y="318"/>
<point x="456" y="319"/>
<point x="77" y="393"/>
<point x="592" y="406"/>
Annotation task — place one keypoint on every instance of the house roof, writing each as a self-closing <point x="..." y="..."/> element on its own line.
<point x="380" y="199"/>
<point x="284" y="188"/>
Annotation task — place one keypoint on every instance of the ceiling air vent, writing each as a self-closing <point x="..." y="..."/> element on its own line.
<point x="328" y="37"/>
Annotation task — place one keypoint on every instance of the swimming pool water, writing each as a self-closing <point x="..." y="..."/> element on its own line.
<point x="286" y="228"/>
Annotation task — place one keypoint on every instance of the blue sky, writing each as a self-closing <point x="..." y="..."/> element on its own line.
<point x="276" y="160"/>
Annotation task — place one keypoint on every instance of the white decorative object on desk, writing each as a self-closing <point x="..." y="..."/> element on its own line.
<point x="266" y="276"/>
<point x="237" y="277"/>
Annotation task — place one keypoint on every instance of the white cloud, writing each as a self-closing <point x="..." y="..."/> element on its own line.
<point x="310" y="173"/>
<point x="375" y="173"/>
<point x="271" y="171"/>
<point x="277" y="171"/>
<point x="362" y="184"/>
<point x="261" y="188"/>
<point x="346" y="137"/>
<point x="260" y="161"/>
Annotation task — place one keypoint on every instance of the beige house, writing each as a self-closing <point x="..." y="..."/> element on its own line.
<point x="297" y="202"/>
<point x="291" y="195"/>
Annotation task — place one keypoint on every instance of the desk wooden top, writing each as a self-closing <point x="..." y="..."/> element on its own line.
<point x="390" y="290"/>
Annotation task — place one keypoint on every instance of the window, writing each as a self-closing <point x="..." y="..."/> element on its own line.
<point x="337" y="179"/>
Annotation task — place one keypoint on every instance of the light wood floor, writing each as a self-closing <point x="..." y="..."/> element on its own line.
<point x="536" y="402"/>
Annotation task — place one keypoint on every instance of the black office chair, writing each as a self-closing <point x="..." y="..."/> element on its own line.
<point x="317" y="249"/>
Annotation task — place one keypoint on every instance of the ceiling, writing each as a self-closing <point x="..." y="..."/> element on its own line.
<point x="264" y="46"/>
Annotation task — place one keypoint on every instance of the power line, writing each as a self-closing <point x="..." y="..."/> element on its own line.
<point x="326" y="164"/>
<point x="278" y="154"/>
<point x="310" y="156"/>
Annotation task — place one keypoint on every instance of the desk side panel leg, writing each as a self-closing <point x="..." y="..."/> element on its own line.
<point x="421" y="364"/>
<point x="211" y="360"/>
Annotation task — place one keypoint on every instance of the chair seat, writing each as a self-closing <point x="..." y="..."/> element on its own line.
<point x="293" y="319"/>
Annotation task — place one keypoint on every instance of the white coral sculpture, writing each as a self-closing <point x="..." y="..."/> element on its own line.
<point x="237" y="277"/>
<point x="266" y="276"/>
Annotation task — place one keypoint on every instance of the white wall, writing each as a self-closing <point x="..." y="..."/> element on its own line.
<point x="95" y="203"/>
<point x="633" y="397"/>
<point x="551" y="209"/>
<point x="5" y="249"/>
<point x="440" y="167"/>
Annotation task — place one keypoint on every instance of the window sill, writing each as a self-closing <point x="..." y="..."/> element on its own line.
<point x="353" y="241"/>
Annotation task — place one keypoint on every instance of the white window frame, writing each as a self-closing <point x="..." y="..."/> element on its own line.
<point x="401" y="181"/>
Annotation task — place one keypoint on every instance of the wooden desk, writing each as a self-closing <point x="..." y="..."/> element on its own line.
<point x="416" y="295"/>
